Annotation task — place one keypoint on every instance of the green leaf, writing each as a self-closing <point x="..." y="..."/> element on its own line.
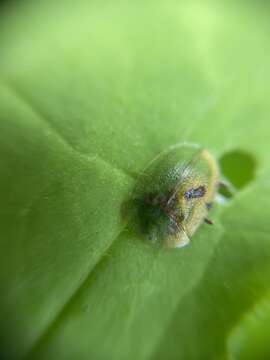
<point x="90" y="93"/>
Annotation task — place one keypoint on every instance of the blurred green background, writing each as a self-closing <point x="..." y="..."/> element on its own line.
<point x="90" y="93"/>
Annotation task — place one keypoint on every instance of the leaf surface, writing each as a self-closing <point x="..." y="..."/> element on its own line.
<point x="89" y="95"/>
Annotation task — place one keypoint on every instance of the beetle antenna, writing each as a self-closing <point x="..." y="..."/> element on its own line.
<point x="208" y="221"/>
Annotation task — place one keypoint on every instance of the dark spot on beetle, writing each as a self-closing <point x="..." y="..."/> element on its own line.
<point x="195" y="193"/>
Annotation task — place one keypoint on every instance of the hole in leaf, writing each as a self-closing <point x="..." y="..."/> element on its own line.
<point x="239" y="169"/>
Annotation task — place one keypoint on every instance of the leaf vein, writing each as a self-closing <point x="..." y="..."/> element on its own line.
<point x="38" y="114"/>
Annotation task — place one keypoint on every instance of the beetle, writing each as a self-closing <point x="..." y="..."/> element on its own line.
<point x="175" y="193"/>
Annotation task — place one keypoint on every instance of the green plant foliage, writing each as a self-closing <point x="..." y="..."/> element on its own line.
<point x="90" y="93"/>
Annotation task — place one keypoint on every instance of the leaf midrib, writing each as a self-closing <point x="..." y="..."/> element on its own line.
<point x="41" y="117"/>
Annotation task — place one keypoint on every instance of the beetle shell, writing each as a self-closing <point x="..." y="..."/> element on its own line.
<point x="174" y="194"/>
